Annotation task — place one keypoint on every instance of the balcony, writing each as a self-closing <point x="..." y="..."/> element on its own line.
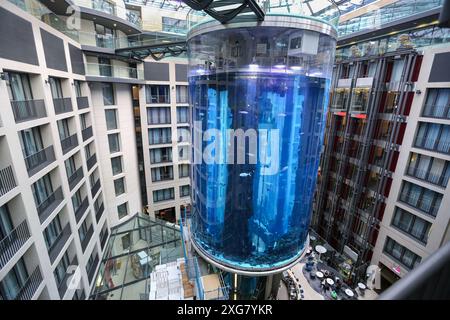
<point x="82" y="102"/>
<point x="99" y="212"/>
<point x="81" y="209"/>
<point x="91" y="271"/>
<point x="39" y="160"/>
<point x="48" y="205"/>
<point x="28" y="110"/>
<point x="31" y="285"/>
<point x="428" y="281"/>
<point x="75" y="178"/>
<point x="62" y="288"/>
<point x="87" y="237"/>
<point x="69" y="143"/>
<point x="59" y="243"/>
<point x="113" y="71"/>
<point x="13" y="242"/>
<point x="62" y="105"/>
<point x="87" y="133"/>
<point x="95" y="188"/>
<point x="7" y="180"/>
<point x="91" y="161"/>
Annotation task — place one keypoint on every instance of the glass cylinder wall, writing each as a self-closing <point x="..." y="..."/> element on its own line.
<point x="258" y="95"/>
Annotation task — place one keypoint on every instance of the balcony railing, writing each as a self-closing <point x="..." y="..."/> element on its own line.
<point x="430" y="280"/>
<point x="69" y="143"/>
<point x="28" y="110"/>
<point x="87" y="133"/>
<point x="62" y="288"/>
<point x="48" y="205"/>
<point x="39" y="160"/>
<point x="91" y="271"/>
<point x="62" y="105"/>
<point x="82" y="102"/>
<point x="31" y="285"/>
<point x="13" y="242"/>
<point x="75" y="178"/>
<point x="95" y="188"/>
<point x="7" y="180"/>
<point x="113" y="71"/>
<point x="99" y="212"/>
<point x="59" y="243"/>
<point x="87" y="237"/>
<point x="91" y="161"/>
<point x="81" y="209"/>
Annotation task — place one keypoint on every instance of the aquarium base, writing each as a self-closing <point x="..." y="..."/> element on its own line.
<point x="247" y="272"/>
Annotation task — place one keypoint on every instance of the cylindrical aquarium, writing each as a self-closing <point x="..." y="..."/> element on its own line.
<point x="258" y="92"/>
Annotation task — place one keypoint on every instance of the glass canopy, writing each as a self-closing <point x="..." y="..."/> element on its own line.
<point x="133" y="251"/>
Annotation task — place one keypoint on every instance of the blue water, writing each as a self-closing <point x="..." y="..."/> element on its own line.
<point x="244" y="215"/>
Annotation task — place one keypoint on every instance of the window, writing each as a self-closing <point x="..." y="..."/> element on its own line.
<point x="340" y="98"/>
<point x="105" y="67"/>
<point x="60" y="270"/>
<point x="108" y="94"/>
<point x="430" y="169"/>
<point x="83" y="231"/>
<point x="52" y="232"/>
<point x="159" y="135"/>
<point x="182" y="94"/>
<point x="116" y="164"/>
<point x="163" y="195"/>
<point x="31" y="140"/>
<point x="182" y="115"/>
<point x="84" y="120"/>
<point x="78" y="90"/>
<point x="14" y="281"/>
<point x="122" y="210"/>
<point x="77" y="200"/>
<point x="114" y="144"/>
<point x="104" y="36"/>
<point x="183" y="170"/>
<point x="158" y="115"/>
<point x="70" y="166"/>
<point x="111" y="119"/>
<point x="421" y="198"/>
<point x="6" y="225"/>
<point x="19" y="87"/>
<point x="162" y="173"/>
<point x="55" y="87"/>
<point x="119" y="186"/>
<point x="433" y="136"/>
<point x="184" y="135"/>
<point x="160" y="155"/>
<point x="185" y="191"/>
<point x="411" y="224"/>
<point x="157" y="93"/>
<point x="63" y="129"/>
<point x="42" y="189"/>
<point x="401" y="254"/>
<point x="437" y="104"/>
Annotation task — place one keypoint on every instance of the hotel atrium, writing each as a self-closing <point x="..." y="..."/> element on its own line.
<point x="224" y="149"/>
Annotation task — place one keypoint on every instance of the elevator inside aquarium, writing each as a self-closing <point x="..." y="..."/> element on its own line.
<point x="258" y="92"/>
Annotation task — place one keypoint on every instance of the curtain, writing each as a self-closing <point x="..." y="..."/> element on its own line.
<point x="421" y="134"/>
<point x="419" y="229"/>
<point x="14" y="281"/>
<point x="42" y="189"/>
<point x="52" y="232"/>
<point x="444" y="140"/>
<point x="32" y="141"/>
<point x="55" y="88"/>
<point x="436" y="170"/>
<point x="432" y="135"/>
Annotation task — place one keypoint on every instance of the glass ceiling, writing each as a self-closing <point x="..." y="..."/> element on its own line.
<point x="133" y="251"/>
